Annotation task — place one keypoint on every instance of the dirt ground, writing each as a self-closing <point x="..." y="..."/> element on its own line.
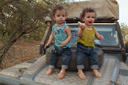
<point x="20" y="52"/>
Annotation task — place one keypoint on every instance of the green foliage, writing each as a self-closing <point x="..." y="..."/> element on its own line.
<point x="35" y="35"/>
<point x="124" y="29"/>
<point x="17" y="16"/>
<point x="22" y="18"/>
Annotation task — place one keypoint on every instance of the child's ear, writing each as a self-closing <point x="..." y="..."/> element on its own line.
<point x="54" y="17"/>
<point x="82" y="18"/>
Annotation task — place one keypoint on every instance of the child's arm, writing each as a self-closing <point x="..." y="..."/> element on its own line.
<point x="100" y="37"/>
<point x="67" y="30"/>
<point x="81" y="29"/>
<point x="50" y="40"/>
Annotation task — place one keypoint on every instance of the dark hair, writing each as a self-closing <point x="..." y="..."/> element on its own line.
<point x="85" y="10"/>
<point x="58" y="7"/>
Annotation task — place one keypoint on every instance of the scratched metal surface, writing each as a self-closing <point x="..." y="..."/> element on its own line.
<point x="34" y="67"/>
<point x="106" y="71"/>
<point x="14" y="70"/>
<point x="71" y="78"/>
<point x="122" y="79"/>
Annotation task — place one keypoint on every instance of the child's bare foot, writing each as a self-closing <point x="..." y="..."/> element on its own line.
<point x="96" y="73"/>
<point x="81" y="75"/>
<point x="61" y="75"/>
<point x="50" y="71"/>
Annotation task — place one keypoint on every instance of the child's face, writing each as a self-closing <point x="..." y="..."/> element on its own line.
<point x="89" y="18"/>
<point x="60" y="16"/>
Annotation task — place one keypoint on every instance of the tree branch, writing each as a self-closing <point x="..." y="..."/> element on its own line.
<point x="32" y="29"/>
<point x="7" y="2"/>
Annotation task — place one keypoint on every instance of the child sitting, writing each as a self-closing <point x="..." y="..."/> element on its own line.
<point x="62" y="47"/>
<point x="85" y="43"/>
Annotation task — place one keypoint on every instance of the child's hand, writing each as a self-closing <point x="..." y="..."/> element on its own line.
<point x="46" y="46"/>
<point x="101" y="37"/>
<point x="79" y="23"/>
<point x="63" y="43"/>
<point x="82" y="26"/>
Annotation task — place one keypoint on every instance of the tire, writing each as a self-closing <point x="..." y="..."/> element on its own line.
<point x="72" y="63"/>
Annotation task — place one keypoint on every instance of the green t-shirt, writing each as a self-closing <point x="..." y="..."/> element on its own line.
<point x="87" y="39"/>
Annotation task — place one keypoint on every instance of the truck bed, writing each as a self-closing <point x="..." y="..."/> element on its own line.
<point x="34" y="74"/>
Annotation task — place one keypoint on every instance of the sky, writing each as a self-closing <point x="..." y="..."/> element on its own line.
<point x="123" y="11"/>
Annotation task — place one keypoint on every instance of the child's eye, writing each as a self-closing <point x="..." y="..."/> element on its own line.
<point x="58" y="15"/>
<point x="63" y="15"/>
<point x="88" y="17"/>
<point x="93" y="17"/>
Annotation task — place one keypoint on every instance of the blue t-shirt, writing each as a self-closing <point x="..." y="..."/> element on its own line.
<point x="60" y="36"/>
